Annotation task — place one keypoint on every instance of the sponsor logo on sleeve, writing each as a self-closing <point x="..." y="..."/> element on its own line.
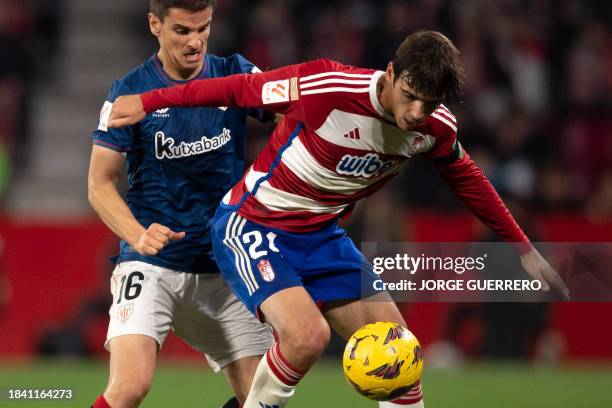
<point x="275" y="92"/>
<point x="105" y="116"/>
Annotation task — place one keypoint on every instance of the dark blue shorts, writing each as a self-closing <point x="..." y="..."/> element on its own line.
<point x="258" y="261"/>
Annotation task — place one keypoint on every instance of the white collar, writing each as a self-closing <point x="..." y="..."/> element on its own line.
<point x="374" y="97"/>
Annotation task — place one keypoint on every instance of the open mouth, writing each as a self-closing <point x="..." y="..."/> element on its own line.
<point x="193" y="56"/>
<point x="410" y="124"/>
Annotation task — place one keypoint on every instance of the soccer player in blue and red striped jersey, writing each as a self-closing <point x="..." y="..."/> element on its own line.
<point x="347" y="131"/>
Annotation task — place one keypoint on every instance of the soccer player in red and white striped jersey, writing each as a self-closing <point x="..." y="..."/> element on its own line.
<point x="347" y="131"/>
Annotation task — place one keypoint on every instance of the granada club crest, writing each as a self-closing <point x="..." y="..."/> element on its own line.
<point x="265" y="268"/>
<point x="416" y="144"/>
<point x="125" y="312"/>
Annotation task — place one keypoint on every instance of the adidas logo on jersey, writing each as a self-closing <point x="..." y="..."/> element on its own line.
<point x="364" y="166"/>
<point x="165" y="146"/>
<point x="353" y="134"/>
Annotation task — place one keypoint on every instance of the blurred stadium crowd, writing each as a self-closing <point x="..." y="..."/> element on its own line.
<point x="29" y="38"/>
<point x="537" y="107"/>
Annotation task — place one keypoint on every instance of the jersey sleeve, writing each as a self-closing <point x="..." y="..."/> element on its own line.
<point x="275" y="90"/>
<point x="471" y="186"/>
<point x="118" y="139"/>
<point x="237" y="64"/>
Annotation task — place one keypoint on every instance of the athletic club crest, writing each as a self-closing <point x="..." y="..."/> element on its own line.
<point x="267" y="273"/>
<point x="125" y="312"/>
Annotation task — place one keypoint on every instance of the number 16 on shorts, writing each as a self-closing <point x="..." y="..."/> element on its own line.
<point x="126" y="288"/>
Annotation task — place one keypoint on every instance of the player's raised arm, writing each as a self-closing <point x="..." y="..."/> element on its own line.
<point x="273" y="90"/>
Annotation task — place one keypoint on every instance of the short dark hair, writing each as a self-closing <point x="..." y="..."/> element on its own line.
<point x="430" y="64"/>
<point x="160" y="8"/>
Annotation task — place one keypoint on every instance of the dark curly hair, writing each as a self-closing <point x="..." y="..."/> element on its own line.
<point x="429" y="63"/>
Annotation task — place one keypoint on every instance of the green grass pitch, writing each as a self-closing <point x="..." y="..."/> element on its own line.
<point x="175" y="385"/>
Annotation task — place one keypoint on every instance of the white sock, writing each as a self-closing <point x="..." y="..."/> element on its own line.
<point x="412" y="399"/>
<point x="274" y="382"/>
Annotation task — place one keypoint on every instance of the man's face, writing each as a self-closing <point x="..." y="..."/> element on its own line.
<point x="183" y="39"/>
<point x="408" y="107"/>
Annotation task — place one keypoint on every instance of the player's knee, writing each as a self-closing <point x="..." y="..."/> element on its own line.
<point x="311" y="339"/>
<point x="127" y="393"/>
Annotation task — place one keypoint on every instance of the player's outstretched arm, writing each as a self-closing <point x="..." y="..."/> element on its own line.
<point x="474" y="189"/>
<point x="105" y="169"/>
<point x="127" y="110"/>
<point x="275" y="91"/>
<point x="538" y="268"/>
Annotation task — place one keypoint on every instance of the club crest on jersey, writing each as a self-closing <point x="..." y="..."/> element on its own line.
<point x="265" y="268"/>
<point x="165" y="147"/>
<point x="364" y="166"/>
<point x="416" y="144"/>
<point x="125" y="312"/>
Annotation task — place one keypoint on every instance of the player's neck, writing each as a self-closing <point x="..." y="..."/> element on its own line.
<point x="174" y="71"/>
<point x="383" y="95"/>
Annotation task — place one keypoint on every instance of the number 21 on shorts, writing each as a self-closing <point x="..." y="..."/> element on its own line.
<point x="254" y="240"/>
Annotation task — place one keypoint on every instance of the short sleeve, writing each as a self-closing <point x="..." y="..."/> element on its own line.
<point x="240" y="65"/>
<point x="119" y="139"/>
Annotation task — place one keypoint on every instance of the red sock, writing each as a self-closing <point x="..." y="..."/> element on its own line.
<point x="411" y="397"/>
<point x="281" y="367"/>
<point x="100" y="402"/>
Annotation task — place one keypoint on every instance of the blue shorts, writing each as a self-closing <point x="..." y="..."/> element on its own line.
<point x="258" y="261"/>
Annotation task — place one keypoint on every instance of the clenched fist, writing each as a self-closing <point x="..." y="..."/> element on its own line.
<point x="155" y="238"/>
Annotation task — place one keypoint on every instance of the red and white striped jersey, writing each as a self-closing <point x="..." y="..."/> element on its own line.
<point x="335" y="146"/>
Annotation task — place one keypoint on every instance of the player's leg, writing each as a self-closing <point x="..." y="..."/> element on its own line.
<point x="349" y="279"/>
<point x="140" y="318"/>
<point x="211" y="319"/>
<point x="239" y="375"/>
<point x="132" y="363"/>
<point x="258" y="263"/>
<point x="346" y="316"/>
<point x="237" y="343"/>
<point x="302" y="335"/>
<point x="301" y="329"/>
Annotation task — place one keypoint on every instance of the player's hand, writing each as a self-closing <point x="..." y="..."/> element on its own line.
<point x="538" y="268"/>
<point x="126" y="110"/>
<point x="155" y="238"/>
